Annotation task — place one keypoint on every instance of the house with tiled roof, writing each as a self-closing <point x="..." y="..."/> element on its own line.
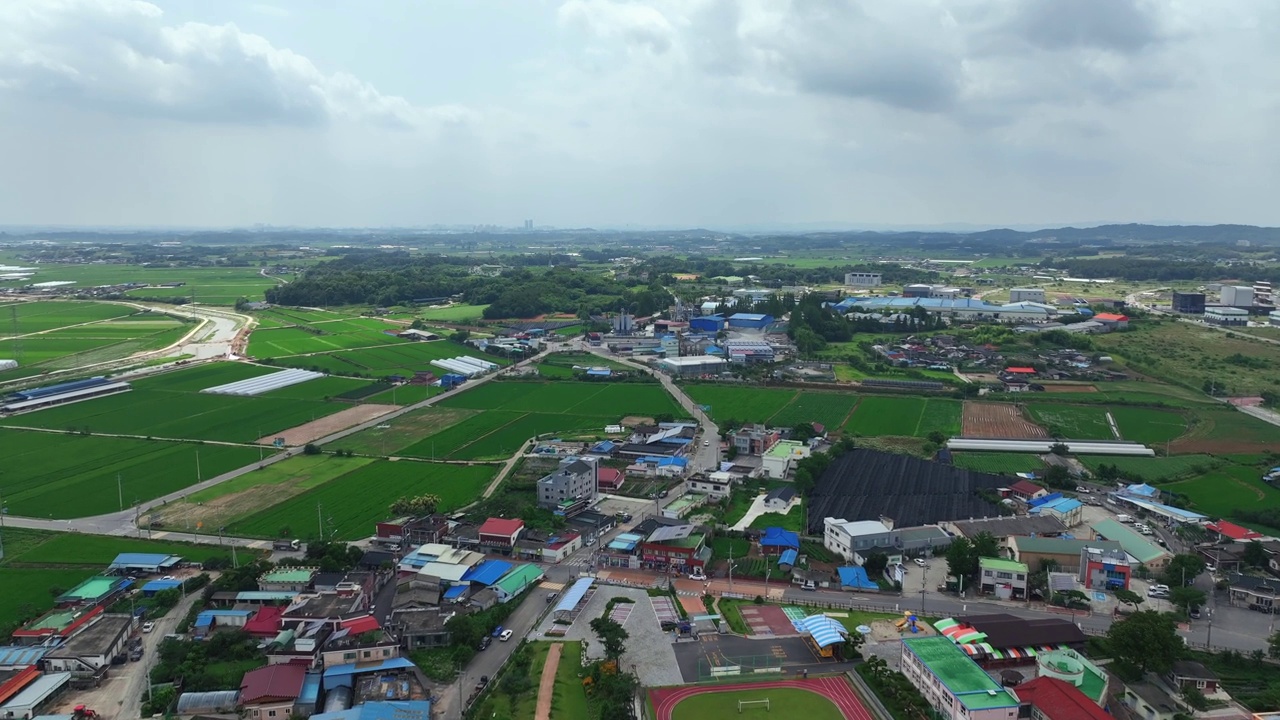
<point x="1026" y="491"/>
<point x="1231" y="531"/>
<point x="1048" y="698"/>
<point x="271" y="691"/>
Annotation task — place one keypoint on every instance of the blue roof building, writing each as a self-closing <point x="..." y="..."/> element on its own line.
<point x="777" y="540"/>
<point x="382" y="710"/>
<point x="750" y="321"/>
<point x="856" y="577"/>
<point x="487" y="572"/>
<point x="143" y="562"/>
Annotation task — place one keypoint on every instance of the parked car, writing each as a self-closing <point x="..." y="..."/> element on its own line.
<point x="808" y="585"/>
<point x="148" y="626"/>
<point x="706" y="443"/>
<point x="1194" y="612"/>
<point x="920" y="562"/>
<point x="1082" y="489"/>
<point x="662" y="494"/>
<point x="506" y="635"/>
<point x="697" y="574"/>
<point x="497" y="631"/>
<point x="485" y="642"/>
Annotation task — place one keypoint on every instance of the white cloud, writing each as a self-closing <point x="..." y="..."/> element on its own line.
<point x="121" y="56"/>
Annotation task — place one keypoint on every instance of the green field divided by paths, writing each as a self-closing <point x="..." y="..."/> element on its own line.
<point x="828" y="409"/>
<point x="1155" y="469"/>
<point x="278" y="317"/>
<point x="741" y="403"/>
<point x="569" y="398"/>
<point x="403" y="358"/>
<point x="74" y="334"/>
<point x="1148" y="426"/>
<point x="209" y="285"/>
<point x="67" y="476"/>
<point x="327" y="336"/>
<point x="904" y="416"/>
<point x="1225" y="491"/>
<point x="44" y="315"/>
<point x="352" y="502"/>
<point x="171" y="406"/>
<point x="1072" y="422"/>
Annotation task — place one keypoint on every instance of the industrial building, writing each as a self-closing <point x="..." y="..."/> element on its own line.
<point x="1238" y="296"/>
<point x="61" y="393"/>
<point x="707" y="323"/>
<point x="748" y="351"/>
<point x="1026" y="295"/>
<point x="954" y="309"/>
<point x="750" y="321"/>
<point x="862" y="279"/>
<point x="694" y="365"/>
<point x="1189" y="303"/>
<point x="1226" y="316"/>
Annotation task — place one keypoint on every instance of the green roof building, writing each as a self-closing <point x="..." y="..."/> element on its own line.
<point x="956" y="686"/>
<point x="1145" y="551"/>
<point x="1006" y="579"/>
<point x="516" y="581"/>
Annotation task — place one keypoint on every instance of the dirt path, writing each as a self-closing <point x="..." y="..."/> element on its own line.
<point x="546" y="688"/>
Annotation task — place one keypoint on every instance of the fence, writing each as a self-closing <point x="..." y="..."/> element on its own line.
<point x="746" y="667"/>
<point x="869" y="699"/>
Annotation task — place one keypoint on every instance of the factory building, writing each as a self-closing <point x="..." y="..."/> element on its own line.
<point x="1026" y="295"/>
<point x="1239" y="296"/>
<point x="862" y="279"/>
<point x="1189" y="303"/>
<point x="750" y="321"/>
<point x="1219" y="315"/>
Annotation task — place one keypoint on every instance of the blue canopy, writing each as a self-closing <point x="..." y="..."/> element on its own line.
<point x="788" y="557"/>
<point x="824" y="630"/>
<point x="574" y="594"/>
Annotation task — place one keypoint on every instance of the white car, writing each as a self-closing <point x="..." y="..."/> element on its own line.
<point x="697" y="575"/>
<point x="920" y="562"/>
<point x="506" y="635"/>
<point x="148" y="626"/>
<point x="706" y="443"/>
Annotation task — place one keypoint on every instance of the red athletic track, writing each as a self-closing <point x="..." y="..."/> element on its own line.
<point x="836" y="689"/>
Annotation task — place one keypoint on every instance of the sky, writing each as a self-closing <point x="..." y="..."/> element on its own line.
<point x="659" y="113"/>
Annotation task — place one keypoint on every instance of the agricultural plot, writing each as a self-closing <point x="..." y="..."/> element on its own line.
<point x="997" y="463"/>
<point x="904" y="416"/>
<point x="1072" y="422"/>
<point x="1003" y="421"/>
<point x="443" y="444"/>
<point x="829" y="409"/>
<point x="71" y="334"/>
<point x="401" y="358"/>
<point x="97" y="551"/>
<point x="1148" y="426"/>
<point x="1155" y="469"/>
<point x="208" y="285"/>
<point x="454" y="313"/>
<point x="67" y="476"/>
<point x="740" y="403"/>
<point x="505" y="440"/>
<point x="351" y="503"/>
<point x="44" y="315"/>
<point x="171" y="406"/>
<point x="1226" y="491"/>
<point x="1226" y="431"/>
<point x="1191" y="356"/>
<point x="402" y="432"/>
<point x="602" y="400"/>
<point x="321" y="337"/>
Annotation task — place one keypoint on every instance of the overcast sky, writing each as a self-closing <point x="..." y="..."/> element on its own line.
<point x="713" y="113"/>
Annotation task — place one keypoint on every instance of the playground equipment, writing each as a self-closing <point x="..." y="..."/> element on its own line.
<point x="744" y="703"/>
<point x="908" y="621"/>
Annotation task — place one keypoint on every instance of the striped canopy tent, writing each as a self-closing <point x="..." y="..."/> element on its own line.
<point x="963" y="635"/>
<point x="984" y="651"/>
<point x="824" y="630"/>
<point x="945" y="623"/>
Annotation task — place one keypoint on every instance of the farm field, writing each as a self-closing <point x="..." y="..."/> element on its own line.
<point x="399" y="433"/>
<point x="352" y="502"/>
<point x="95" y="552"/>
<point x="561" y="364"/>
<point x="1224" y="430"/>
<point x="25" y="592"/>
<point x="1191" y="355"/>
<point x="1155" y="469"/>
<point x="1225" y="491"/>
<point x="171" y="406"/>
<point x="1072" y="422"/>
<point x="998" y="420"/>
<point x="740" y="403"/>
<point x="1148" y="426"/>
<point x="830" y="409"/>
<point x="331" y="335"/>
<point x="210" y="285"/>
<point x="280" y="316"/>
<point x="904" y="416"/>
<point x="609" y="400"/>
<point x="401" y="358"/>
<point x="65" y="476"/>
<point x="64" y="341"/>
<point x="454" y="313"/>
<point x="998" y="463"/>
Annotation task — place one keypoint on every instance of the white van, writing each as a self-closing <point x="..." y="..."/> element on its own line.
<point x="1124" y="518"/>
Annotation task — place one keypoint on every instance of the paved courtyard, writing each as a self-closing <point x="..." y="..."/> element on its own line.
<point x="649" y="649"/>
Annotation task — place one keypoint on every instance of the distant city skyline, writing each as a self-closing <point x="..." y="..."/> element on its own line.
<point x="738" y="115"/>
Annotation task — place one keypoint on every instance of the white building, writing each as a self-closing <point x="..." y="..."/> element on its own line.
<point x="693" y="365"/>
<point x="716" y="484"/>
<point x="1237" y="296"/>
<point x="862" y="279"/>
<point x="1226" y="315"/>
<point x="1028" y="294"/>
<point x="754" y="295"/>
<point x="777" y="460"/>
<point x="848" y="537"/>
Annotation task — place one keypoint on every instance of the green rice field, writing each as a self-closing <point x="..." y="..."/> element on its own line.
<point x="904" y="416"/>
<point x="1073" y="422"/>
<point x="1148" y="426"/>
<point x="44" y="315"/>
<point x="97" y="551"/>
<point x="402" y="358"/>
<point x="331" y="335"/>
<point x="209" y="285"/>
<point x="829" y="409"/>
<point x="351" y="503"/>
<point x="742" y="403"/>
<point x="66" y="476"/>
<point x="569" y="398"/>
<point x="171" y="406"/>
<point x="998" y="463"/>
<point x="1224" y="491"/>
<point x="1155" y="469"/>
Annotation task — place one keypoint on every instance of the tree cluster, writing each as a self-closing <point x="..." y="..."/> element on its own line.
<point x="963" y="555"/>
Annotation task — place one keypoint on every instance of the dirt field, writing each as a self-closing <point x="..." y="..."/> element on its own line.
<point x="998" y="420"/>
<point x="316" y="429"/>
<point x="547" y="684"/>
<point x="635" y="421"/>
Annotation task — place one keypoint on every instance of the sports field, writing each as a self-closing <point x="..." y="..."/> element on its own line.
<point x="170" y="406"/>
<point x="66" y="476"/>
<point x="454" y="313"/>
<point x="1072" y="422"/>
<point x="351" y="503"/>
<point x="904" y="416"/>
<point x="828" y="698"/>
<point x="401" y="358"/>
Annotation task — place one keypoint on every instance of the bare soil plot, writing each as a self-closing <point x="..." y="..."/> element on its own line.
<point x="635" y="421"/>
<point x="1069" y="388"/>
<point x="998" y="420"/>
<point x="316" y="429"/>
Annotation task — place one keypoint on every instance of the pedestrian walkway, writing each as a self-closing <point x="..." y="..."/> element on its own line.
<point x="664" y="609"/>
<point x="547" y="686"/>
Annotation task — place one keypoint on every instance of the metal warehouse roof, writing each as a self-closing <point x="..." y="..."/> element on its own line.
<point x="1044" y="446"/>
<point x="159" y="585"/>
<point x="1133" y="543"/>
<point x="21" y="655"/>
<point x="487" y="572"/>
<point x="520" y="578"/>
<point x="341" y="675"/>
<point x="143" y="560"/>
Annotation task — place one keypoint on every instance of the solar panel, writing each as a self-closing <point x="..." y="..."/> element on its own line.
<point x="677" y="532"/>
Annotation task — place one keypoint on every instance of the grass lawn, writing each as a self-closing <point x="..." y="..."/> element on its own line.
<point x="793" y="520"/>
<point x="64" y="476"/>
<point x="1072" y="422"/>
<point x="352" y="502"/>
<point x="568" y="698"/>
<point x="791" y="702"/>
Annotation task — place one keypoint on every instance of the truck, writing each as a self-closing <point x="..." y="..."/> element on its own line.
<point x="286" y="545"/>
<point x="1124" y="518"/>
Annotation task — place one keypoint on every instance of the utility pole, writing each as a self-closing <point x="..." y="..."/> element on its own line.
<point x="730" y="565"/>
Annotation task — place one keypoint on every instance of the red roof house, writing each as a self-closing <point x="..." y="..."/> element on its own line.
<point x="1027" y="490"/>
<point x="265" y="622"/>
<point x="500" y="531"/>
<point x="1059" y="700"/>
<point x="1021" y="370"/>
<point x="271" y="686"/>
<point x="609" y="478"/>
<point x="1233" y="531"/>
<point x="361" y="625"/>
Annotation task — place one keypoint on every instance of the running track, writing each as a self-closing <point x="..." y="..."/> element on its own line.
<point x="836" y="689"/>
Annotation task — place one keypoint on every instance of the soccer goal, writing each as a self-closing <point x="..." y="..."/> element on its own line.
<point x="743" y="704"/>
